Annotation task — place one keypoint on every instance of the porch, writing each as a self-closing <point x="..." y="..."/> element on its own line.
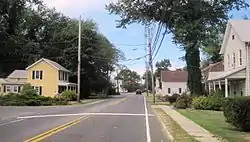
<point x="230" y="82"/>
<point x="66" y="86"/>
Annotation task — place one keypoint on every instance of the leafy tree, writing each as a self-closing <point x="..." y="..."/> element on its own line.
<point x="161" y="66"/>
<point x="130" y="80"/>
<point x="189" y="21"/>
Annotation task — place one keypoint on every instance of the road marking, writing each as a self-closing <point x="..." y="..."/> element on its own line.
<point x="82" y="114"/>
<point x="55" y="130"/>
<point x="147" y="122"/>
<point x="14" y="121"/>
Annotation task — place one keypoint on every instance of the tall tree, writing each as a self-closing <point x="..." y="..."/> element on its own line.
<point x="161" y="66"/>
<point x="188" y="20"/>
<point x="147" y="75"/>
<point x="130" y="80"/>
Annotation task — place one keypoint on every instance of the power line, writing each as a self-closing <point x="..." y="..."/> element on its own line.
<point x="163" y="36"/>
<point x="157" y="37"/>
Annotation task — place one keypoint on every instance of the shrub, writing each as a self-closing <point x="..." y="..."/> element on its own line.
<point x="237" y="112"/>
<point x="172" y="99"/>
<point x="184" y="101"/>
<point x="69" y="96"/>
<point x="212" y="102"/>
<point x="162" y="98"/>
<point x="28" y="90"/>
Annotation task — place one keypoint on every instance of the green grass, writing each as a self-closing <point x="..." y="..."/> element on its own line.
<point x="157" y="101"/>
<point x="214" y="121"/>
<point x="179" y="134"/>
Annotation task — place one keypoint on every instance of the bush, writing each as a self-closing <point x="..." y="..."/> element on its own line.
<point x="212" y="102"/>
<point x="237" y="112"/>
<point x="162" y="98"/>
<point x="184" y="101"/>
<point x="69" y="96"/>
<point x="172" y="99"/>
<point x="28" y="90"/>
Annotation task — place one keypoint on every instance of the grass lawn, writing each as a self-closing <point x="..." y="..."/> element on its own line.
<point x="214" y="121"/>
<point x="157" y="101"/>
<point x="174" y="129"/>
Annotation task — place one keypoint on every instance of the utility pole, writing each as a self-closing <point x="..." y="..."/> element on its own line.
<point x="151" y="61"/>
<point x="117" y="80"/>
<point x="79" y="62"/>
<point x="146" y="64"/>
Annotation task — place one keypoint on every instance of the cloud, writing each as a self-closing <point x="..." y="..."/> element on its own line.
<point x="80" y="6"/>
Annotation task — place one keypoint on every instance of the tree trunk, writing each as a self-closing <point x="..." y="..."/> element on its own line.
<point x="194" y="73"/>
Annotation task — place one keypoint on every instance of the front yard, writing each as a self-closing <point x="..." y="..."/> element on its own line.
<point x="214" y="121"/>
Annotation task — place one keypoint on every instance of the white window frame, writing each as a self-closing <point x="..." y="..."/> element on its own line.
<point x="37" y="89"/>
<point x="15" y="89"/>
<point x="8" y="88"/>
<point x="234" y="60"/>
<point x="240" y="59"/>
<point x="228" y="59"/>
<point x="180" y="90"/>
<point x="169" y="90"/>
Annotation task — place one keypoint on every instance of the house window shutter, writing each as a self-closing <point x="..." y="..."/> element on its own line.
<point x="33" y="74"/>
<point x="40" y="90"/>
<point x="4" y="88"/>
<point x="19" y="89"/>
<point x="41" y="75"/>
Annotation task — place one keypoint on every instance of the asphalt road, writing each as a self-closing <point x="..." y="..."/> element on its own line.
<point x="119" y="119"/>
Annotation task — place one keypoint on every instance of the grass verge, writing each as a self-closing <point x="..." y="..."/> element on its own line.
<point x="150" y="99"/>
<point x="179" y="134"/>
<point x="214" y="121"/>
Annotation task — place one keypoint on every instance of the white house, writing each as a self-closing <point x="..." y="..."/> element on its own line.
<point x="235" y="78"/>
<point x="173" y="82"/>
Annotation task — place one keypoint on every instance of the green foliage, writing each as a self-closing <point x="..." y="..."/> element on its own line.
<point x="69" y="96"/>
<point x="28" y="90"/>
<point x="130" y="80"/>
<point x="149" y="81"/>
<point x="162" y="66"/>
<point x="237" y="112"/>
<point x="212" y="102"/>
<point x="172" y="99"/>
<point x="163" y="98"/>
<point x="183" y="101"/>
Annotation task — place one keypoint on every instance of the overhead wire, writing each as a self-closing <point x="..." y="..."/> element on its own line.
<point x="163" y="36"/>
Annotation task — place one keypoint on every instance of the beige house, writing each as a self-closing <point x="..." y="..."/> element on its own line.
<point x="235" y="49"/>
<point x="13" y="83"/>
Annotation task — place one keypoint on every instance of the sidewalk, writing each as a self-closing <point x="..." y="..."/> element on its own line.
<point x="189" y="126"/>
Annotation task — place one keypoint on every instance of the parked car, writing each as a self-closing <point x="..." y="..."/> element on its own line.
<point x="138" y="91"/>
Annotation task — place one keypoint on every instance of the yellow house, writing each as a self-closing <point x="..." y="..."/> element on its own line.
<point x="49" y="78"/>
<point x="14" y="82"/>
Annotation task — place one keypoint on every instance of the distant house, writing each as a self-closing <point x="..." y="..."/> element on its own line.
<point x="235" y="78"/>
<point x="173" y="82"/>
<point x="49" y="78"/>
<point x="14" y="82"/>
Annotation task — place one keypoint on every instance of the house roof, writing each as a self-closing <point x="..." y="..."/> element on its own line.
<point x="223" y="74"/>
<point x="239" y="27"/>
<point x="19" y="74"/>
<point x="174" y="76"/>
<point x="52" y="63"/>
<point x="10" y="82"/>
<point x="215" y="67"/>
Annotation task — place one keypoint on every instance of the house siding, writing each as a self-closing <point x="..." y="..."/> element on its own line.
<point x="174" y="86"/>
<point x="49" y="81"/>
<point x="234" y="46"/>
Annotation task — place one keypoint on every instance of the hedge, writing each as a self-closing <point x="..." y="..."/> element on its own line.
<point x="237" y="112"/>
<point x="184" y="101"/>
<point x="172" y="99"/>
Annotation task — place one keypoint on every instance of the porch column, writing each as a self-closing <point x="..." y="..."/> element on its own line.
<point x="226" y="87"/>
<point x="214" y="85"/>
<point x="209" y="87"/>
<point x="219" y="85"/>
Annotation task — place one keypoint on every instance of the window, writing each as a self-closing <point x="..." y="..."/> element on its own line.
<point x="179" y="90"/>
<point x="8" y="88"/>
<point x="16" y="89"/>
<point x="37" y="75"/>
<point x="38" y="89"/>
<point x="233" y="60"/>
<point x="169" y="90"/>
<point x="240" y="52"/>
<point x="228" y="59"/>
<point x="233" y="37"/>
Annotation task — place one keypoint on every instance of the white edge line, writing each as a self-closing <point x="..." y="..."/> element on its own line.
<point x="147" y="122"/>
<point x="80" y="114"/>
<point x="14" y="121"/>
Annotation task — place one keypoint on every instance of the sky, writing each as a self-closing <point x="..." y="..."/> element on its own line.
<point x="132" y="35"/>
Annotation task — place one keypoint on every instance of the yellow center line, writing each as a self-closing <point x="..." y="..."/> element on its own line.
<point x="60" y="128"/>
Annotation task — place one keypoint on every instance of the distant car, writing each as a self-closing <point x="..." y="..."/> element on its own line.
<point x="138" y="91"/>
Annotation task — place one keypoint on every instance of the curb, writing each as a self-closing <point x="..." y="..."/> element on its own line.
<point x="170" y="137"/>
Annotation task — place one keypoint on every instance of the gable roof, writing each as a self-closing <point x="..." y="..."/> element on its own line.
<point x="216" y="67"/>
<point x="52" y="63"/>
<point x="240" y="27"/>
<point x="19" y="74"/>
<point x="174" y="76"/>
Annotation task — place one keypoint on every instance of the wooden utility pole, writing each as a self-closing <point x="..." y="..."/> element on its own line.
<point x="79" y="62"/>
<point x="146" y="63"/>
<point x="151" y="61"/>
